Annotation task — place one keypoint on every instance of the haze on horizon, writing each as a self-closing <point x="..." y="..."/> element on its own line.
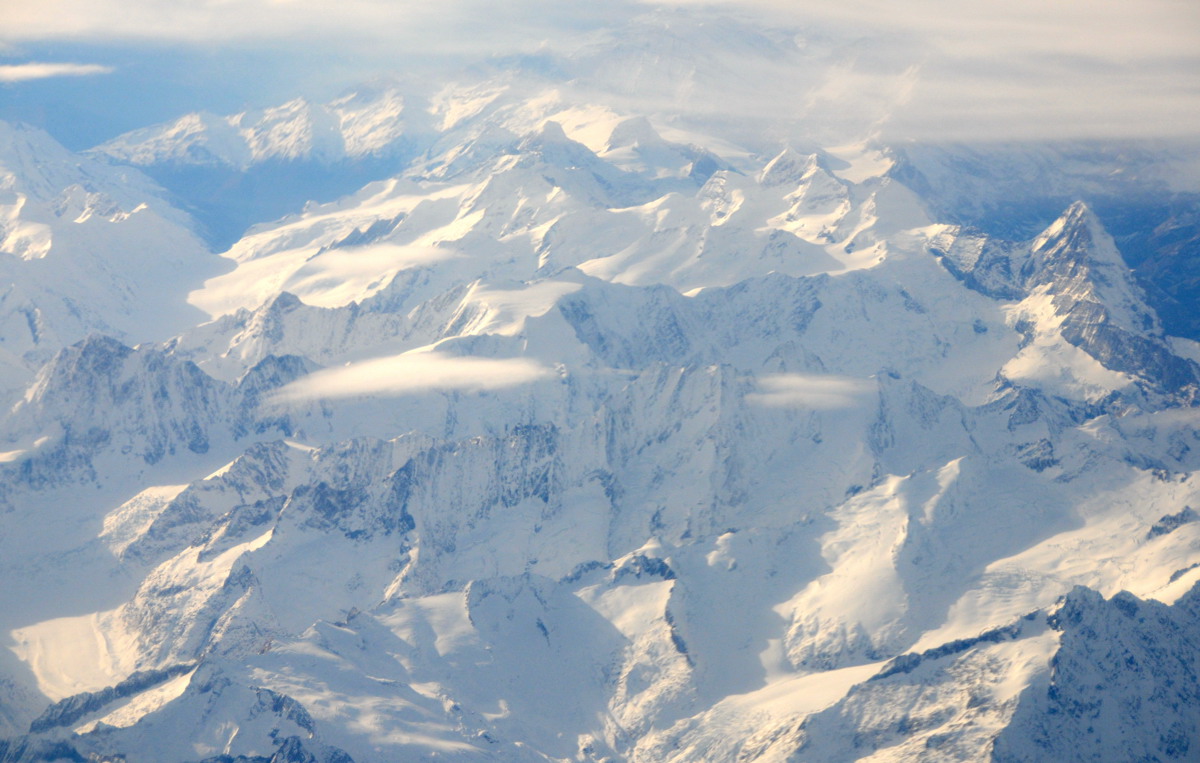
<point x="937" y="70"/>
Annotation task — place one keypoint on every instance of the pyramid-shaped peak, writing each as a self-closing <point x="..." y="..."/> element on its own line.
<point x="1077" y="233"/>
<point x="1079" y="210"/>
<point x="1077" y="261"/>
<point x="555" y="147"/>
<point x="552" y="132"/>
<point x="18" y="139"/>
<point x="12" y="131"/>
<point x="1077" y="215"/>
<point x="635" y="131"/>
<point x="93" y="357"/>
<point x="284" y="302"/>
<point x="789" y="167"/>
<point x="98" y="346"/>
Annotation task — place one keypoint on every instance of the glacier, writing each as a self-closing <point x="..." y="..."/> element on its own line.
<point x="577" y="433"/>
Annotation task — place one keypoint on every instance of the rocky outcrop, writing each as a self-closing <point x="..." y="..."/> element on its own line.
<point x="1123" y="684"/>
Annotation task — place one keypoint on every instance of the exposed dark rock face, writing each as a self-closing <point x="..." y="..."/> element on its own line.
<point x="1125" y="684"/>
<point x="1099" y="306"/>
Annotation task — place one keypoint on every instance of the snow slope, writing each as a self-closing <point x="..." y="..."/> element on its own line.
<point x="367" y="122"/>
<point x="573" y="441"/>
<point x="86" y="247"/>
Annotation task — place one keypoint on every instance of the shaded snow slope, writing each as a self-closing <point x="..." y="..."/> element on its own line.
<point x="85" y="247"/>
<point x="575" y="440"/>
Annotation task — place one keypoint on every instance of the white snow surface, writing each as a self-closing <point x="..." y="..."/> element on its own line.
<point x="86" y="248"/>
<point x="570" y="442"/>
<point x="367" y="122"/>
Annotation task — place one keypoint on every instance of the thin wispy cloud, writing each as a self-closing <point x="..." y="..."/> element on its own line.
<point x="997" y="69"/>
<point x="413" y="373"/>
<point x="820" y="392"/>
<point x="924" y="70"/>
<point x="448" y="25"/>
<point x="38" y="70"/>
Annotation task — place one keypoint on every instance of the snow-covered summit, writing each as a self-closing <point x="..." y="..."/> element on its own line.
<point x="367" y="123"/>
<point x="587" y="434"/>
<point x="86" y="247"/>
<point x="1073" y="286"/>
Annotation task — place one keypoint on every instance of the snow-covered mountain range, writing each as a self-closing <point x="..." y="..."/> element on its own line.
<point x="87" y="247"/>
<point x="581" y="433"/>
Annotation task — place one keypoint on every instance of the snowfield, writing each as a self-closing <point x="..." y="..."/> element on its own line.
<point x="586" y="435"/>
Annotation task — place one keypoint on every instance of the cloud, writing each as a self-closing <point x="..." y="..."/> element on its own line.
<point x="809" y="391"/>
<point x="437" y="25"/>
<point x="923" y="70"/>
<point x="997" y="69"/>
<point x="38" y="70"/>
<point x="413" y="373"/>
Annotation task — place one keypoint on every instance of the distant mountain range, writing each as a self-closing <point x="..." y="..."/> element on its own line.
<point x="525" y="425"/>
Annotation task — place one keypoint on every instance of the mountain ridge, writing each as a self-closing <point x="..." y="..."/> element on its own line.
<point x="573" y="439"/>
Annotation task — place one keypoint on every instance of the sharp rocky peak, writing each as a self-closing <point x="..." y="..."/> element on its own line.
<point x="1077" y="261"/>
<point x="788" y="167"/>
<point x="1095" y="302"/>
<point x="1075" y="247"/>
<point x="1101" y="308"/>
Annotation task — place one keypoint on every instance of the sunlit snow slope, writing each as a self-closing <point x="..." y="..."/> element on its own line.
<point x="586" y="437"/>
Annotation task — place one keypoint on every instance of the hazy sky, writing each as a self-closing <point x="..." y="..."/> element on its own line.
<point x="987" y="69"/>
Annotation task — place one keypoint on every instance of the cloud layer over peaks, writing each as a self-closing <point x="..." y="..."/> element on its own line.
<point x="925" y="70"/>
